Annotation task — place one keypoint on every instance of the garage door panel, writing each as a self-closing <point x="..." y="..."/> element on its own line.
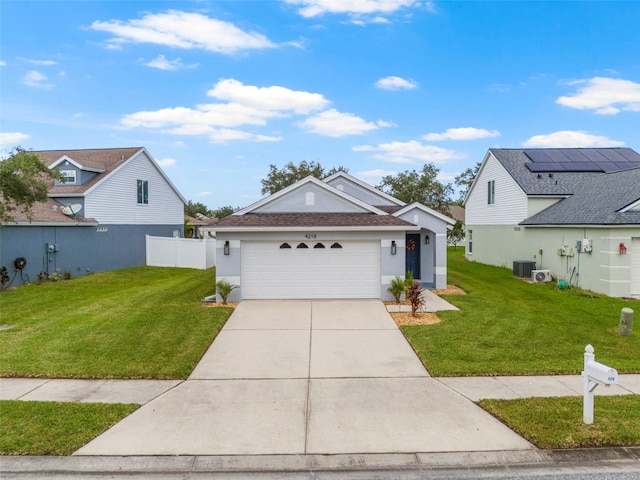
<point x="352" y="271"/>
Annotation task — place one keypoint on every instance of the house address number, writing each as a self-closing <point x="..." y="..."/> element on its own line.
<point x="310" y="236"/>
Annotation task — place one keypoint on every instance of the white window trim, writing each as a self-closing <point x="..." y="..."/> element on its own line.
<point x="67" y="181"/>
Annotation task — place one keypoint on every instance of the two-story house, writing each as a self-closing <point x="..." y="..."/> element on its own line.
<point x="573" y="212"/>
<point x="95" y="220"/>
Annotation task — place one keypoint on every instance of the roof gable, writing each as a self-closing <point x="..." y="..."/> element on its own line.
<point x="70" y="160"/>
<point x="104" y="161"/>
<point x="423" y="208"/>
<point x="312" y="196"/>
<point x="361" y="190"/>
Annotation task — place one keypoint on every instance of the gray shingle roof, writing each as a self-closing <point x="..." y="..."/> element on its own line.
<point x="560" y="183"/>
<point x="597" y="202"/>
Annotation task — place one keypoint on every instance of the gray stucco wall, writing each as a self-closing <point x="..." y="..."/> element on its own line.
<point x="80" y="250"/>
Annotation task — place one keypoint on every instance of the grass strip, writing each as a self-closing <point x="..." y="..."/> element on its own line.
<point x="143" y="322"/>
<point x="54" y="428"/>
<point x="506" y="326"/>
<point x="556" y="422"/>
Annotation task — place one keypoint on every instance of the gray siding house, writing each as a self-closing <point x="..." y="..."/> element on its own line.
<point x="98" y="219"/>
<point x="575" y="212"/>
<point x="336" y="238"/>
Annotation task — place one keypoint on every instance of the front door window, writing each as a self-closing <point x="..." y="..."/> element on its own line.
<point x="412" y="256"/>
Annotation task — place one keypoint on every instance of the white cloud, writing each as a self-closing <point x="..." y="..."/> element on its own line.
<point x="161" y="63"/>
<point x="11" y="139"/>
<point x="396" y="83"/>
<point x="167" y="162"/>
<point x="3" y="64"/>
<point x="202" y="117"/>
<point x="183" y="30"/>
<point x="603" y="95"/>
<point x="410" y="152"/>
<point x="36" y="79"/>
<point x="44" y="63"/>
<point x="314" y="8"/>
<point x="267" y="98"/>
<point x="571" y="139"/>
<point x="332" y="123"/>
<point x="376" y="173"/>
<point x="463" y="133"/>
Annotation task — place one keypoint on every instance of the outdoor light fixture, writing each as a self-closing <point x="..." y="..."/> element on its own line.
<point x="226" y="247"/>
<point x="393" y="247"/>
<point x="427" y="240"/>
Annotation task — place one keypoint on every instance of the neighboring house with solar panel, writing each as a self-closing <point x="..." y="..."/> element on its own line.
<point x="569" y="215"/>
<point x="98" y="219"/>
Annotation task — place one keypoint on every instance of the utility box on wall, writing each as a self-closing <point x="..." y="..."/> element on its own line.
<point x="523" y="268"/>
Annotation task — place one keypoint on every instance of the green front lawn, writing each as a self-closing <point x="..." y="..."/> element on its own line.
<point x="142" y="322"/>
<point x="506" y="326"/>
<point x="52" y="428"/>
<point x="557" y="422"/>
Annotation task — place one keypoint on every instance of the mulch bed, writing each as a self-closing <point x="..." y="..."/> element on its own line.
<point x="423" y="318"/>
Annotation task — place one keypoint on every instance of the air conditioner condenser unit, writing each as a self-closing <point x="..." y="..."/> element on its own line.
<point x="541" y="276"/>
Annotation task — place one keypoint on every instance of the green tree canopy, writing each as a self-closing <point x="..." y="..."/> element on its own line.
<point x="277" y="179"/>
<point x="464" y="181"/>
<point x="193" y="208"/>
<point x="419" y="186"/>
<point x="223" y="211"/>
<point x="24" y="181"/>
<point x="456" y="234"/>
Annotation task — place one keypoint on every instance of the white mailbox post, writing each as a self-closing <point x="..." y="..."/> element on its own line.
<point x="594" y="374"/>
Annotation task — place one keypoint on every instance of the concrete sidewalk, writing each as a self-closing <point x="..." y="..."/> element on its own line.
<point x="143" y="391"/>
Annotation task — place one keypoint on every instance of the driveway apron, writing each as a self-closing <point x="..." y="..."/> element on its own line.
<point x="307" y="377"/>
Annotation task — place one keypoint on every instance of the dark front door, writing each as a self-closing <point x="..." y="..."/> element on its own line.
<point x="413" y="254"/>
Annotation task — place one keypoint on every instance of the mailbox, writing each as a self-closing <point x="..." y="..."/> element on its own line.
<point x="602" y="374"/>
<point x="594" y="374"/>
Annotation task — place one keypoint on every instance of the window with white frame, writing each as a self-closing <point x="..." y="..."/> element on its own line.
<point x="143" y="192"/>
<point x="68" y="176"/>
<point x="470" y="241"/>
<point x="491" y="192"/>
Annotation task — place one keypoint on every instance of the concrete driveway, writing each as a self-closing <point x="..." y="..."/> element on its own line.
<point x="307" y="377"/>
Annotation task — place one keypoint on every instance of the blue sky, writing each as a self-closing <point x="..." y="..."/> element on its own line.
<point x="218" y="90"/>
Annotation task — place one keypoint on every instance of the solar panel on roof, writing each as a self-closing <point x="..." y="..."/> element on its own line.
<point x="582" y="167"/>
<point x="574" y="155"/>
<point x="557" y="156"/>
<point x="630" y="155"/>
<point x="545" y="167"/>
<point x="607" y="166"/>
<point x="582" y="159"/>
<point x="593" y="155"/>
<point x="537" y="155"/>
<point x="625" y="165"/>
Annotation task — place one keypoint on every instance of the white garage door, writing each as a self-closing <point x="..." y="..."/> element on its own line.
<point x="635" y="267"/>
<point x="310" y="269"/>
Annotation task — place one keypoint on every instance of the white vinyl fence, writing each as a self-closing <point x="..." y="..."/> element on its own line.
<point x="181" y="252"/>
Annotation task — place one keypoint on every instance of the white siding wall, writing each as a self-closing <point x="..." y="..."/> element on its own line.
<point x="115" y="200"/>
<point x="510" y="206"/>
